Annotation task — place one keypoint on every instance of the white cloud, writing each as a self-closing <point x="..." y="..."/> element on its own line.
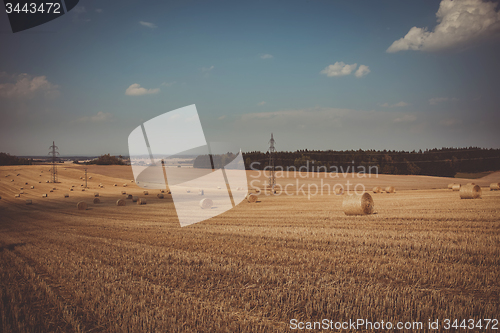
<point x="407" y="118"/>
<point x="204" y="69"/>
<point x="168" y="84"/>
<point x="397" y="105"/>
<point x="148" y="24"/>
<point x="136" y="90"/>
<point x="262" y="103"/>
<point x="97" y="118"/>
<point x="27" y="86"/>
<point x="266" y="56"/>
<point x="362" y="71"/>
<point x="460" y="23"/>
<point x="400" y="104"/>
<point x="339" y="69"/>
<point x="437" y="100"/>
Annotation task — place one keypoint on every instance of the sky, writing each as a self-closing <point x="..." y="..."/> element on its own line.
<point x="319" y="74"/>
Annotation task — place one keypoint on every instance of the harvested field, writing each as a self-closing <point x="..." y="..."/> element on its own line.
<point x="425" y="254"/>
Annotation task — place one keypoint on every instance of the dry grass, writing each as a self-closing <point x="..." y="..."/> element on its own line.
<point x="426" y="254"/>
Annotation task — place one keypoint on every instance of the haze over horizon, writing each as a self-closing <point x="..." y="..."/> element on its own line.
<point x="320" y="75"/>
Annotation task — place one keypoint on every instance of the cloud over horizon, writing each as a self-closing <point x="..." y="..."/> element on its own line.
<point x="136" y="90"/>
<point x="397" y="105"/>
<point x="266" y="56"/>
<point x="97" y="118"/>
<point x="148" y="24"/>
<point x="460" y="23"/>
<point x="27" y="86"/>
<point x="342" y="69"/>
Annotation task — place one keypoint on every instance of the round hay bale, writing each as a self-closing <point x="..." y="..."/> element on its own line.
<point x="450" y="186"/>
<point x="25" y="183"/>
<point x="339" y="190"/>
<point x="21" y="188"/>
<point x="51" y="191"/>
<point x="123" y="192"/>
<point x="131" y="181"/>
<point x="22" y="192"/>
<point x="120" y="202"/>
<point x="32" y="187"/>
<point x="13" y="180"/>
<point x="135" y="198"/>
<point x="456" y="187"/>
<point x="124" y="185"/>
<point x="29" y="202"/>
<point x="218" y="187"/>
<point x="201" y="192"/>
<point x="377" y="189"/>
<point x="66" y="195"/>
<point x="206" y="203"/>
<point x="145" y="192"/>
<point x="83" y="190"/>
<point x="129" y="196"/>
<point x="470" y="192"/>
<point x="162" y="191"/>
<point x="115" y="185"/>
<point x="17" y="196"/>
<point x="97" y="201"/>
<point x="96" y="194"/>
<point x="71" y="189"/>
<point x="188" y="191"/>
<point x="141" y="201"/>
<point x="90" y="177"/>
<point x="81" y="205"/>
<point x="160" y="195"/>
<point x="251" y="198"/>
<point x="358" y="204"/>
<point x="494" y="186"/>
<point x="390" y="189"/>
<point x="81" y="177"/>
<point x="44" y="195"/>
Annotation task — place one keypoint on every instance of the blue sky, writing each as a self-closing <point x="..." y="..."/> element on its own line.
<point x="88" y="78"/>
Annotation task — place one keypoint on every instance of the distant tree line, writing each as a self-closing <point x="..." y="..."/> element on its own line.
<point x="444" y="162"/>
<point x="107" y="159"/>
<point x="219" y="161"/>
<point x="7" y="159"/>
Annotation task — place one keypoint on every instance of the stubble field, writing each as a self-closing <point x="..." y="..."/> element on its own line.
<point x="425" y="255"/>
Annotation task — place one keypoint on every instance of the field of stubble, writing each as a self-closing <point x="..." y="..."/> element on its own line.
<point x="424" y="255"/>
